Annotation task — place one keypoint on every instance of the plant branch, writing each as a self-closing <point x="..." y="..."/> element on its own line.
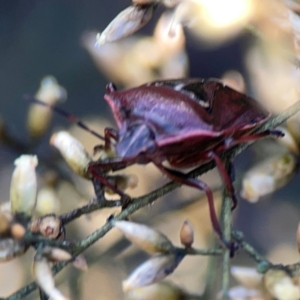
<point x="263" y="264"/>
<point x="226" y="223"/>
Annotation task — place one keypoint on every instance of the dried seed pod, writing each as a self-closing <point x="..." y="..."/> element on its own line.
<point x="160" y="290"/>
<point x="248" y="277"/>
<point x="268" y="176"/>
<point x="23" y="188"/>
<point x="56" y="254"/>
<point x="145" y="237"/>
<point x="169" y="40"/>
<point x="17" y="231"/>
<point x="39" y="117"/>
<point x="49" y="226"/>
<point x="187" y="234"/>
<point x="122" y="182"/>
<point x="216" y="20"/>
<point x="47" y="202"/>
<point x="72" y="151"/>
<point x="11" y="248"/>
<point x="281" y="286"/>
<point x="126" y="22"/>
<point x="43" y="276"/>
<point x="235" y="80"/>
<point x="153" y="270"/>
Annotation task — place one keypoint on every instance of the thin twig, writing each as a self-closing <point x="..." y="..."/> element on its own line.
<point x="263" y="265"/>
<point x="226" y="223"/>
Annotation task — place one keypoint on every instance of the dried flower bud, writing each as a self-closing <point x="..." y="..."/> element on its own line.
<point x="50" y="91"/>
<point x="153" y="270"/>
<point x="126" y="22"/>
<point x="268" y="176"/>
<point x="145" y="237"/>
<point x="215" y="20"/>
<point x="281" y="286"/>
<point x="43" y="276"/>
<point x="187" y="234"/>
<point x="39" y="117"/>
<point x="72" y="151"/>
<point x="235" y="80"/>
<point x="23" y="186"/>
<point x="49" y="226"/>
<point x="160" y="290"/>
<point x="248" y="277"/>
<point x="47" y="202"/>
<point x="56" y="254"/>
<point x="80" y="263"/>
<point x="122" y="182"/>
<point x="17" y="231"/>
<point x="170" y="39"/>
<point x="11" y="248"/>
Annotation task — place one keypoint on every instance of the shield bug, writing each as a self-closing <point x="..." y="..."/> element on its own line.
<point x="184" y="122"/>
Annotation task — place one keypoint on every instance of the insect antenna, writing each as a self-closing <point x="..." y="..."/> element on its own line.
<point x="70" y="117"/>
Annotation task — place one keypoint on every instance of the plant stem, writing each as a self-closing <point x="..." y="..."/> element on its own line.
<point x="226" y="224"/>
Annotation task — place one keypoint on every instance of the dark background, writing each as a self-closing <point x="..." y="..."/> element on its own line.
<point x="43" y="37"/>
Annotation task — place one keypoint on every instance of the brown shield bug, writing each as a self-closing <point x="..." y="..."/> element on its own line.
<point x="184" y="122"/>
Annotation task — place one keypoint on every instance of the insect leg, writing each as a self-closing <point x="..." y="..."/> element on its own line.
<point x="109" y="134"/>
<point x="256" y="136"/>
<point x="198" y="184"/>
<point x="98" y="171"/>
<point x="224" y="174"/>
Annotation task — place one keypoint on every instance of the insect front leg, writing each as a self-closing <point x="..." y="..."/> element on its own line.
<point x="109" y="135"/>
<point x="201" y="185"/>
<point x="98" y="171"/>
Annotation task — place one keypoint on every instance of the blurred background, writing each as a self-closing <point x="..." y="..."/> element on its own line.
<point x="254" y="50"/>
